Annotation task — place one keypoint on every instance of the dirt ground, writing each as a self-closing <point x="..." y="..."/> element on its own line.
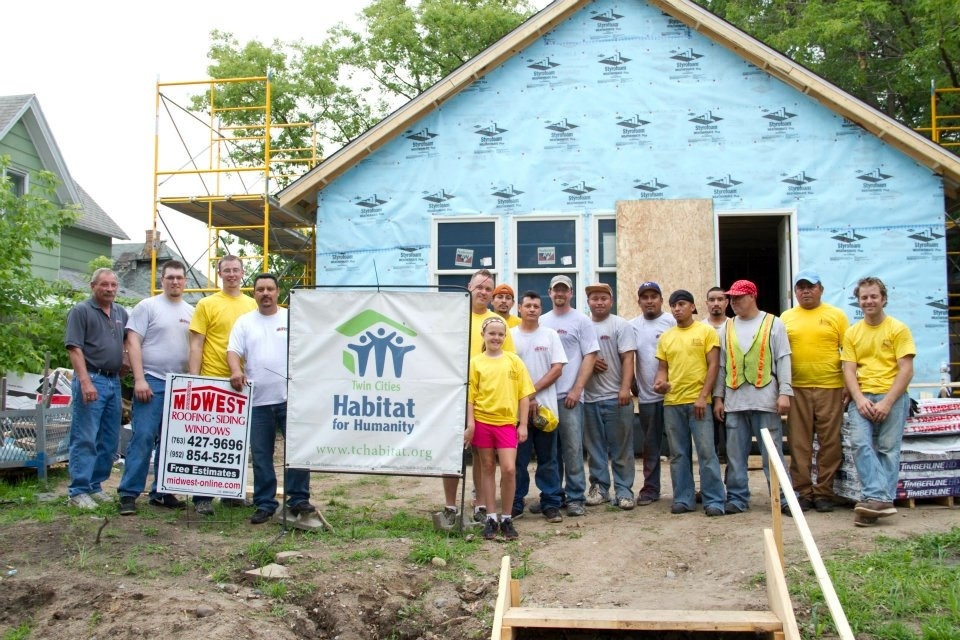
<point x="169" y="574"/>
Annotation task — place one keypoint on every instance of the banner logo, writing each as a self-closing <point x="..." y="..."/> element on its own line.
<point x="383" y="344"/>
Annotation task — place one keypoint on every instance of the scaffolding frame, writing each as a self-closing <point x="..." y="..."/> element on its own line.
<point x="229" y="197"/>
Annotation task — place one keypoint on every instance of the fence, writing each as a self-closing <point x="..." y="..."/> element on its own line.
<point x="35" y="438"/>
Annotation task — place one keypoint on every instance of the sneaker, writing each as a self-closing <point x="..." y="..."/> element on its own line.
<point x="679" y="507"/>
<point x="480" y="514"/>
<point x="823" y="505"/>
<point x="575" y="509"/>
<point x="595" y="496"/>
<point x="490" y="529"/>
<point x="260" y="516"/>
<point x="646" y="500"/>
<point x="626" y="503"/>
<point x="506" y="528"/>
<point x="204" y="508"/>
<point x="536" y="507"/>
<point x="552" y="514"/>
<point x="82" y="501"/>
<point x="713" y="512"/>
<point x="168" y="501"/>
<point x="516" y="514"/>
<point x="731" y="508"/>
<point x="875" y="509"/>
<point x="101" y="497"/>
<point x="234" y="503"/>
<point x="128" y="505"/>
<point x="863" y="521"/>
<point x="805" y="504"/>
<point x="302" y="508"/>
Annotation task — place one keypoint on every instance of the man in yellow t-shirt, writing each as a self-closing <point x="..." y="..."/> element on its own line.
<point x="210" y="328"/>
<point x="877" y="360"/>
<point x="815" y="330"/>
<point x="689" y="360"/>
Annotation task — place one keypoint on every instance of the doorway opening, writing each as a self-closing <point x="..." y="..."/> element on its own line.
<point x="759" y="248"/>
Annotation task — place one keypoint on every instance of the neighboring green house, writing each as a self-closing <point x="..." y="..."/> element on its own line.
<point x="27" y="139"/>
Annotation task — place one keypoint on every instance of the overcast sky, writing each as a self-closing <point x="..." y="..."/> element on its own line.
<point x="94" y="66"/>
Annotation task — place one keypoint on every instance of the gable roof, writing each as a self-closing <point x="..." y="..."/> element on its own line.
<point x="302" y="192"/>
<point x="26" y="109"/>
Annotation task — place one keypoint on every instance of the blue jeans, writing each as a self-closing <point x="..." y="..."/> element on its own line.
<point x="876" y="448"/>
<point x="681" y="427"/>
<point x="742" y="427"/>
<point x="548" y="471"/>
<point x="649" y="425"/>
<point x="608" y="442"/>
<point x="147" y="424"/>
<point x="570" y="442"/>
<point x="265" y="422"/>
<point x="94" y="434"/>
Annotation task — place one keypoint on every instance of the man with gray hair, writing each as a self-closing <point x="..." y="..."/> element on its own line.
<point x="94" y="342"/>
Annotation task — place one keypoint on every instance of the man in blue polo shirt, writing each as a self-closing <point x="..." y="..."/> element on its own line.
<point x="94" y="342"/>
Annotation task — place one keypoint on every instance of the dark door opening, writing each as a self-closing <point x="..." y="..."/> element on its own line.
<point x="751" y="248"/>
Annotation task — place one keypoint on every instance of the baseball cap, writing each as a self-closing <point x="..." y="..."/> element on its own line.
<point x="681" y="294"/>
<point x="564" y="280"/>
<point x="600" y="287"/>
<point x="649" y="286"/>
<point x="503" y="288"/>
<point x="809" y="275"/>
<point x="742" y="288"/>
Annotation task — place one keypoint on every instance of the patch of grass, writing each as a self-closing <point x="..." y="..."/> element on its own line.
<point x="905" y="590"/>
<point x="452" y="549"/>
<point x="20" y="632"/>
<point x="132" y="566"/>
<point x="177" y="568"/>
<point x="149" y="531"/>
<point x="276" y="589"/>
<point x="95" y="618"/>
<point x="367" y="554"/>
<point x="523" y="569"/>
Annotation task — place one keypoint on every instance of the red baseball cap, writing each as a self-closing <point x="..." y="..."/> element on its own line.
<point x="742" y="288"/>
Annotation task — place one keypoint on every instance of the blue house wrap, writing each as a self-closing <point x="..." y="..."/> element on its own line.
<point x="518" y="166"/>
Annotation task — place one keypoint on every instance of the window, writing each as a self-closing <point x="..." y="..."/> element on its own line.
<point x="463" y="246"/>
<point x="544" y="249"/>
<point x="18" y="180"/>
<point x="605" y="250"/>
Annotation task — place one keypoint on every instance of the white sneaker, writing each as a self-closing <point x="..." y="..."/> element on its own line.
<point x="101" y="497"/>
<point x="594" y="497"/>
<point x="82" y="501"/>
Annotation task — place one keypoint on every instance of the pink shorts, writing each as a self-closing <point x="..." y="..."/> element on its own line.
<point x="491" y="436"/>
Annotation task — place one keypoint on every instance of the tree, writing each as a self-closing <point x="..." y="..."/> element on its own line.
<point x="885" y="52"/>
<point x="32" y="311"/>
<point x="352" y="79"/>
<point x="348" y="82"/>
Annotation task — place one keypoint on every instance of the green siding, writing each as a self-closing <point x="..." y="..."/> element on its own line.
<point x="79" y="247"/>
<point x="23" y="155"/>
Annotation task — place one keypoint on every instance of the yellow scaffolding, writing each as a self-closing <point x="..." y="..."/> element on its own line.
<point x="944" y="129"/>
<point x="226" y="195"/>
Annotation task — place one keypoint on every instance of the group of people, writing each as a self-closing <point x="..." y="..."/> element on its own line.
<point x="711" y="386"/>
<point x="228" y="335"/>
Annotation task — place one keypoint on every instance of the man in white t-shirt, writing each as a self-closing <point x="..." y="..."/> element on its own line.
<point x="257" y="352"/>
<point x="542" y="353"/>
<point x="581" y="346"/>
<point x="649" y="430"/>
<point x="158" y="343"/>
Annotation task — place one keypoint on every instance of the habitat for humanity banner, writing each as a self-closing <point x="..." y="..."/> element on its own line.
<point x="377" y="381"/>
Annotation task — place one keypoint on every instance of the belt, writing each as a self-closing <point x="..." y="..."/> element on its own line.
<point x="103" y="372"/>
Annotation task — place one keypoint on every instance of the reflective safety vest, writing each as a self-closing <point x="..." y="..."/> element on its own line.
<point x="756" y="365"/>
